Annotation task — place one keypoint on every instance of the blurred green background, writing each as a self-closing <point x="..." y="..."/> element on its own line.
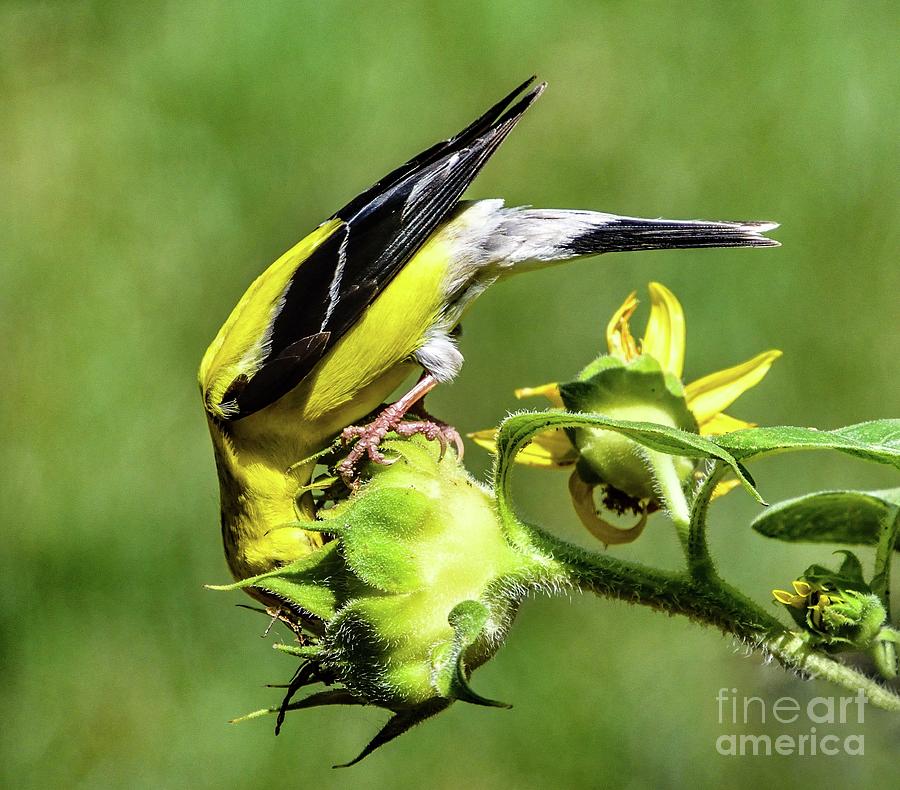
<point x="157" y="156"/>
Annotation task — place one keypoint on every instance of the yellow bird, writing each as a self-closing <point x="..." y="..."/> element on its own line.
<point x="330" y="329"/>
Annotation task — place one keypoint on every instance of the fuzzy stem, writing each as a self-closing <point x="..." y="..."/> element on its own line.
<point x="700" y="564"/>
<point x="671" y="492"/>
<point x="793" y="652"/>
<point x="713" y="603"/>
<point x="881" y="581"/>
<point x="704" y="600"/>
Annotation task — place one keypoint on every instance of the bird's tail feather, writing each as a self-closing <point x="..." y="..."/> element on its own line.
<point x="619" y="234"/>
<point x="540" y="236"/>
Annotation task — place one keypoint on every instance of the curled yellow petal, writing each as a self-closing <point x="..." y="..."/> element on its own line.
<point x="548" y="391"/>
<point x="788" y="599"/>
<point x="618" y="334"/>
<point x="722" y="423"/>
<point x="803" y="588"/>
<point x="714" y="393"/>
<point x="547" y="450"/>
<point x="583" y="501"/>
<point x="664" y="337"/>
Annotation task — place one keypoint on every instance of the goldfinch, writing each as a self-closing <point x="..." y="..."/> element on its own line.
<point x="330" y="329"/>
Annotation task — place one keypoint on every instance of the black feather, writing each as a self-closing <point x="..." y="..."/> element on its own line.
<point x="627" y="233"/>
<point x="384" y="227"/>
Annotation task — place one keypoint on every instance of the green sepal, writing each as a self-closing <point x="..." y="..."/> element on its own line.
<point x="614" y="384"/>
<point x="849" y="576"/>
<point x="316" y="700"/>
<point x="848" y="517"/>
<point x="399" y="723"/>
<point x="468" y="620"/>
<point x="301" y="651"/>
<point x="306" y="583"/>
<point x="601" y="363"/>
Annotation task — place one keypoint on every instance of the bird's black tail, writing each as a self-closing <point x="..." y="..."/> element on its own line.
<point x="609" y="233"/>
<point x="529" y="237"/>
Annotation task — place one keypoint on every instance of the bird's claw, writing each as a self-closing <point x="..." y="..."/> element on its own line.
<point x="369" y="437"/>
<point x="433" y="430"/>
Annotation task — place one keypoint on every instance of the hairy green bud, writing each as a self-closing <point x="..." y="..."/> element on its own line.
<point x="416" y="588"/>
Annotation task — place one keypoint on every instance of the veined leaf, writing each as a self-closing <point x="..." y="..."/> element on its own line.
<point x="846" y="517"/>
<point x="516" y="431"/>
<point x="877" y="441"/>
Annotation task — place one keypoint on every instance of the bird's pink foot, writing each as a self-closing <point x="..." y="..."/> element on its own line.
<point x="368" y="439"/>
<point x="433" y="430"/>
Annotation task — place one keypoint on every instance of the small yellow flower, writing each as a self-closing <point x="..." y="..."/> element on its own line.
<point x="706" y="399"/>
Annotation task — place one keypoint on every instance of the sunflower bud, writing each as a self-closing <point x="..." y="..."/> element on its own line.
<point x="416" y="588"/>
<point x="838" y="611"/>
<point x="637" y="390"/>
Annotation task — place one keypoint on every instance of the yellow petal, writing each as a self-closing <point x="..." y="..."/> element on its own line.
<point x="665" y="333"/>
<point x="788" y="599"/>
<point x="803" y="588"/>
<point x="618" y="334"/>
<point x="714" y="393"/>
<point x="486" y="439"/>
<point x="550" y="450"/>
<point x="549" y="391"/>
<point x="722" y="423"/>
<point x="547" y="450"/>
<point x="724" y="487"/>
<point x="583" y="501"/>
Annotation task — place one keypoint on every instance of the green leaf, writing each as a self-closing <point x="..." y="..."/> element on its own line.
<point x="847" y="517"/>
<point x="517" y="430"/>
<point x="877" y="441"/>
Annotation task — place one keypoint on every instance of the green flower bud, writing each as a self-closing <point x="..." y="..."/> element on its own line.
<point x="847" y="616"/>
<point x="417" y="588"/>
<point x="839" y="610"/>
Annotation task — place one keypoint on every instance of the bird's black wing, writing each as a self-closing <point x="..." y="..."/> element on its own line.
<point x="382" y="229"/>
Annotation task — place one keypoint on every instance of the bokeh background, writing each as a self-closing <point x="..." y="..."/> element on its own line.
<point x="157" y="156"/>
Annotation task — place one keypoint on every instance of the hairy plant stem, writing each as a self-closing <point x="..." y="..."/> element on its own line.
<point x="699" y="560"/>
<point x="699" y="594"/>
<point x="671" y="492"/>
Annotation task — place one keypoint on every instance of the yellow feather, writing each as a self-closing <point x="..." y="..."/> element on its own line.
<point x="256" y="455"/>
<point x="240" y="345"/>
